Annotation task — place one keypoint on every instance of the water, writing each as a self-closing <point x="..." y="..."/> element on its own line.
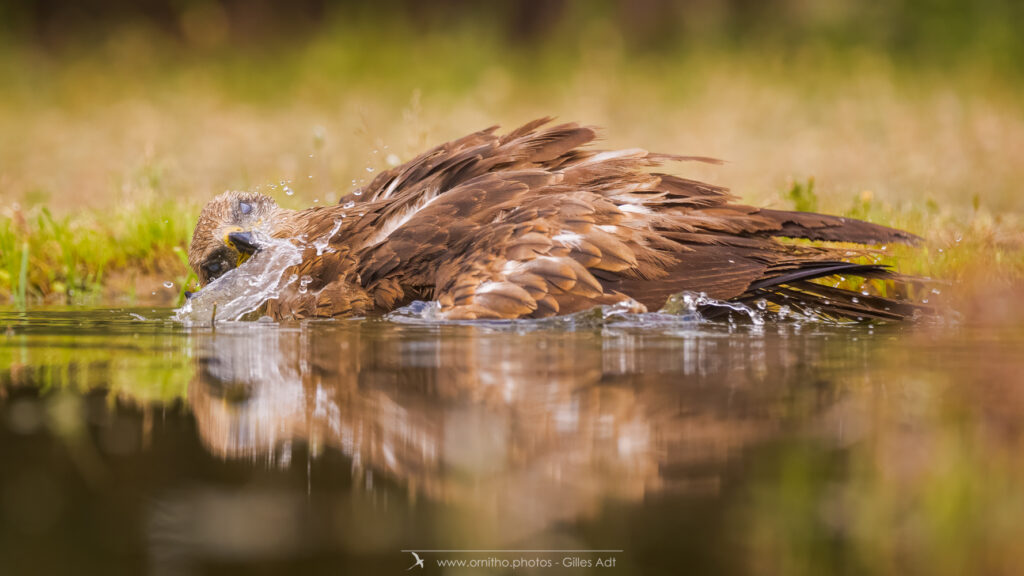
<point x="132" y="443"/>
<point x="246" y="288"/>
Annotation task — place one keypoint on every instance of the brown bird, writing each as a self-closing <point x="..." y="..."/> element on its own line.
<point x="533" y="224"/>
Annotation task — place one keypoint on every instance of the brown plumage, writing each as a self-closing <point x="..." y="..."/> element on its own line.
<point x="532" y="224"/>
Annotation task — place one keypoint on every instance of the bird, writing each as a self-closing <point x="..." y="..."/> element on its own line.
<point x="538" y="222"/>
<point x="419" y="561"/>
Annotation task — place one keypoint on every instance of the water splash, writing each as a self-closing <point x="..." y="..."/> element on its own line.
<point x="682" y="309"/>
<point x="694" y="303"/>
<point x="246" y="288"/>
<point x="322" y="244"/>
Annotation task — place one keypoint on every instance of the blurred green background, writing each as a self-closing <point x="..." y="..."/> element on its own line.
<point x="121" y="118"/>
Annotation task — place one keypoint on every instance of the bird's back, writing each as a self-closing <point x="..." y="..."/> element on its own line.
<point x="534" y="223"/>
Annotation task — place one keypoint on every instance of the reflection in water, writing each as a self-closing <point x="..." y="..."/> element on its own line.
<point x="530" y="428"/>
<point x="139" y="445"/>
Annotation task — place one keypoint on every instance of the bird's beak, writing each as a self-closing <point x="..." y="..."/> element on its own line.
<point x="244" y="242"/>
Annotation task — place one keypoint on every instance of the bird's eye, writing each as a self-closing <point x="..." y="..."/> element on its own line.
<point x="244" y="207"/>
<point x="214" y="270"/>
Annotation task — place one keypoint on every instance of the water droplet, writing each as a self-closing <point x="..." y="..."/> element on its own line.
<point x="349" y="204"/>
<point x="304" y="283"/>
<point x="369" y="169"/>
<point x="293" y="278"/>
<point x="393" y="160"/>
<point x="376" y="151"/>
<point x="316" y="200"/>
<point x="168" y="284"/>
<point x="358" y="192"/>
<point x="855" y="300"/>
<point x="288" y="191"/>
<point x="864" y="293"/>
<point x="310" y="176"/>
<point x="761" y="304"/>
<point x="936" y="291"/>
<point x="310" y="155"/>
<point x="319" y="135"/>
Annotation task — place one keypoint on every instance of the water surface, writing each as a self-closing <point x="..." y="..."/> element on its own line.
<point x="133" y="444"/>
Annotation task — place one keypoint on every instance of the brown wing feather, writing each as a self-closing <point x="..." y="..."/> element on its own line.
<point x="531" y="224"/>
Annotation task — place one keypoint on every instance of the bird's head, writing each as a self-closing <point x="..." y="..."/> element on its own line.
<point x="224" y="236"/>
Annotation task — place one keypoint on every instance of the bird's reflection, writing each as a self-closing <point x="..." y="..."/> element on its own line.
<point x="536" y="426"/>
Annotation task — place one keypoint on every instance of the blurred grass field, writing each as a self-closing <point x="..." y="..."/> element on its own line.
<point x="112" y="142"/>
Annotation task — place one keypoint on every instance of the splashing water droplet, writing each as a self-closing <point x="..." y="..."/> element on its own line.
<point x="349" y="204"/>
<point x="244" y="288"/>
<point x="304" y="283"/>
<point x="761" y="304"/>
<point x="168" y="284"/>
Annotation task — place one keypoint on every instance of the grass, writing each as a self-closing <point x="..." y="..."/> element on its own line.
<point x="84" y="258"/>
<point x="119" y="143"/>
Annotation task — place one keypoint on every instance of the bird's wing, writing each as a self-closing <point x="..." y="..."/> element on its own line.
<point x="445" y="167"/>
<point x="539" y="243"/>
<point x="531" y="224"/>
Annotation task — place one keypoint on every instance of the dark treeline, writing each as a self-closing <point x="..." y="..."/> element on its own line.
<point x="917" y="29"/>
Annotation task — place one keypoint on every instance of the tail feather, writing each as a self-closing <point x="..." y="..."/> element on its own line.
<point x="828" y="228"/>
<point x="795" y="288"/>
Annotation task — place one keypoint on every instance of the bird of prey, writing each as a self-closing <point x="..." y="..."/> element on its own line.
<point x="536" y="223"/>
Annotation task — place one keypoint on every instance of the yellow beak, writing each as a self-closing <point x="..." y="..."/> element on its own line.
<point x="243" y="242"/>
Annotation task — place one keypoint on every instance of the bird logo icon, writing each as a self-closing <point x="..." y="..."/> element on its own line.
<point x="419" y="562"/>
